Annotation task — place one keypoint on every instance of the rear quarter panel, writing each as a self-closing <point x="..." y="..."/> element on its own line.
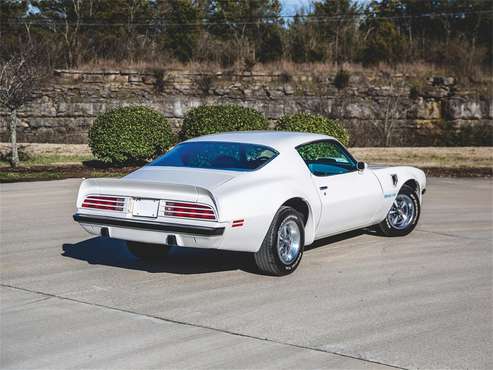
<point x="256" y="197"/>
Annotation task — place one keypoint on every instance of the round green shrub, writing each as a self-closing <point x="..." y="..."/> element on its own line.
<point x="307" y="122"/>
<point x="129" y="135"/>
<point x="209" y="119"/>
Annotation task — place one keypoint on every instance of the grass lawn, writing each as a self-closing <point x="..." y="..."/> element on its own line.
<point x="58" y="161"/>
<point x="429" y="157"/>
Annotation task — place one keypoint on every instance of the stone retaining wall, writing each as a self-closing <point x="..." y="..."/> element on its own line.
<point x="377" y="108"/>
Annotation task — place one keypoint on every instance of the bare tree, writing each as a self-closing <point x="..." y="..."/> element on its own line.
<point x="386" y="127"/>
<point x="19" y="78"/>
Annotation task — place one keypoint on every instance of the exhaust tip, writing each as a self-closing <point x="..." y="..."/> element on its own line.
<point x="105" y="232"/>
<point x="171" y="240"/>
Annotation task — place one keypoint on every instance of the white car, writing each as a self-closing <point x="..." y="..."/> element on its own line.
<point x="266" y="192"/>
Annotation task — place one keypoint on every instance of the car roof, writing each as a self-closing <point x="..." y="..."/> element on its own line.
<point x="278" y="140"/>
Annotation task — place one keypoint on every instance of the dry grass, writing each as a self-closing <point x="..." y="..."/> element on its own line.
<point x="447" y="157"/>
<point x="47" y="154"/>
<point x="145" y="66"/>
<point x="59" y="161"/>
<point x="408" y="69"/>
<point x="34" y="149"/>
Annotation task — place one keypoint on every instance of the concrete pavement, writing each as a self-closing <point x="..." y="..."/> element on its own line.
<point x="358" y="301"/>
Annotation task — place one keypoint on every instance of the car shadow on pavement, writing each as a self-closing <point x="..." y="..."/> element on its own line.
<point x="337" y="238"/>
<point x="113" y="252"/>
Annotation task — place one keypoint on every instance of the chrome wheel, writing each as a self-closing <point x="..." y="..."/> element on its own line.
<point x="402" y="212"/>
<point x="288" y="241"/>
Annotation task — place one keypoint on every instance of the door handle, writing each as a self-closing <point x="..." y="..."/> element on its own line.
<point x="323" y="188"/>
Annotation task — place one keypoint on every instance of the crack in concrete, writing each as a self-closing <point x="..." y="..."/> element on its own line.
<point x="173" y="321"/>
<point x="44" y="298"/>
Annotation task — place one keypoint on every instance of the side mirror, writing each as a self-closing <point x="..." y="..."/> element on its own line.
<point x="361" y="166"/>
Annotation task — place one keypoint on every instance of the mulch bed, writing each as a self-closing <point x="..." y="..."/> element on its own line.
<point x="458" y="171"/>
<point x="40" y="173"/>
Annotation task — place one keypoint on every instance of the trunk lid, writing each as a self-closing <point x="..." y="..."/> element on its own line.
<point x="205" y="178"/>
<point x="138" y="189"/>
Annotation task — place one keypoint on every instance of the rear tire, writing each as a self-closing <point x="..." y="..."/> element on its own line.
<point x="404" y="214"/>
<point x="147" y="251"/>
<point x="282" y="248"/>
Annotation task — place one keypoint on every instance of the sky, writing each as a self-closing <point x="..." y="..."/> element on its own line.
<point x="290" y="7"/>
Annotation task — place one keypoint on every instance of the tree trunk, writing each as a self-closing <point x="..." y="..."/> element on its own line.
<point x="14" y="159"/>
<point x="388" y="136"/>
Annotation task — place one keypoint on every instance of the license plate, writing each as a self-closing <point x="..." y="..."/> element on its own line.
<point x="145" y="207"/>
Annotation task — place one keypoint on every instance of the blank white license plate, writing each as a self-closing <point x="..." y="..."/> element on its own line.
<point x="145" y="207"/>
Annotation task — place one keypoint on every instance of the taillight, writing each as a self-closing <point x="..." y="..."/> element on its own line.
<point x="105" y="202"/>
<point x="189" y="210"/>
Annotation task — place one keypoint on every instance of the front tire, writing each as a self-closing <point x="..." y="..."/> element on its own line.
<point x="282" y="248"/>
<point x="404" y="214"/>
<point x="147" y="251"/>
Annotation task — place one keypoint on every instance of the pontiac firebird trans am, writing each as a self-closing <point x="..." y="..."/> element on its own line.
<point x="269" y="193"/>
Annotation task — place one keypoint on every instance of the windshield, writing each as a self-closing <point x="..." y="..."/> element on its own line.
<point x="217" y="155"/>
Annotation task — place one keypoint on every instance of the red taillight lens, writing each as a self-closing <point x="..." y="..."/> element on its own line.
<point x="189" y="210"/>
<point x="107" y="203"/>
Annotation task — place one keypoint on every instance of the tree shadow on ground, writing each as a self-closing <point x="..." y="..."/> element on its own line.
<point x="180" y="260"/>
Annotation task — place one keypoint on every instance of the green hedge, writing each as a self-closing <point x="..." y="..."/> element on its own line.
<point x="209" y="119"/>
<point x="307" y="122"/>
<point x="129" y="135"/>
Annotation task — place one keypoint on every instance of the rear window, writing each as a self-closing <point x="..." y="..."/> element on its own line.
<point x="217" y="155"/>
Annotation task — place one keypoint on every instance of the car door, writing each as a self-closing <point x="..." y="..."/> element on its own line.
<point x="349" y="197"/>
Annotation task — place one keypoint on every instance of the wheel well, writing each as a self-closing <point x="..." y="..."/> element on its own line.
<point x="300" y="205"/>
<point x="413" y="184"/>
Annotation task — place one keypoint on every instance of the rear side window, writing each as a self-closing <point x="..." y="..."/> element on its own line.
<point x="217" y="155"/>
<point x="326" y="158"/>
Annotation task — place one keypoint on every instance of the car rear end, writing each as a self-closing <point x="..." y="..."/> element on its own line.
<point x="150" y="212"/>
<point x="201" y="193"/>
